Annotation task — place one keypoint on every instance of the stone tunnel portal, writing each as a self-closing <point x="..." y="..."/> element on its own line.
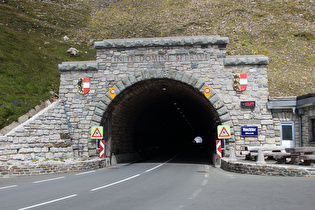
<point x="159" y="116"/>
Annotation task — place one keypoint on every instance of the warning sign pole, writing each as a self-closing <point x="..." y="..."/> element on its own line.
<point x="218" y="146"/>
<point x="102" y="146"/>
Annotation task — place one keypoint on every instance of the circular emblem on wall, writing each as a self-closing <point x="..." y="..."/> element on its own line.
<point x="112" y="92"/>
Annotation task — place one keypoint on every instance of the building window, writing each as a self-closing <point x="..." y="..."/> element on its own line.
<point x="312" y="130"/>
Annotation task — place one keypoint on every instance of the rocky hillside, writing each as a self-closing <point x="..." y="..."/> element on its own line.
<point x="32" y="44"/>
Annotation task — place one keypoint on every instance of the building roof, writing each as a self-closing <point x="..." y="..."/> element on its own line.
<point x="291" y="102"/>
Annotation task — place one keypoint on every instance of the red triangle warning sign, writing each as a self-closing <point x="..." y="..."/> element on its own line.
<point x="97" y="134"/>
<point x="224" y="133"/>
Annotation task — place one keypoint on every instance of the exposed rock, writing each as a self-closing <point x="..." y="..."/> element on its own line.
<point x="65" y="38"/>
<point x="73" y="51"/>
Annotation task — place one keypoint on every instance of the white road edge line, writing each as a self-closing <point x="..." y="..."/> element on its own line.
<point x="48" y="202"/>
<point x="114" y="183"/>
<point x="47" y="180"/>
<point x="87" y="172"/>
<point x="2" y="188"/>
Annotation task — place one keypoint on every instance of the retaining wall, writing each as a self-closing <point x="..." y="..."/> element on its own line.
<point x="49" y="167"/>
<point x="267" y="170"/>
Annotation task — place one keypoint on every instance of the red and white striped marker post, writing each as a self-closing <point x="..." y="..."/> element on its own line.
<point x="102" y="145"/>
<point x="218" y="145"/>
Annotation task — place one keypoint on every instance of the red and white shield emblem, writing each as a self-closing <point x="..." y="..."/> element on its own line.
<point x="83" y="85"/>
<point x="239" y="82"/>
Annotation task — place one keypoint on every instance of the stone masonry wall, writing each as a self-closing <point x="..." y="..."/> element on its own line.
<point x="267" y="169"/>
<point x="43" y="136"/>
<point x="27" y="168"/>
<point x="257" y="90"/>
<point x="197" y="61"/>
<point x="283" y="115"/>
<point x="306" y="126"/>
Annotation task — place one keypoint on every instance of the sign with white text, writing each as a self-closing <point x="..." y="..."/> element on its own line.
<point x="249" y="130"/>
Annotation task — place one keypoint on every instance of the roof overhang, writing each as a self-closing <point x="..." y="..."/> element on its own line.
<point x="291" y="102"/>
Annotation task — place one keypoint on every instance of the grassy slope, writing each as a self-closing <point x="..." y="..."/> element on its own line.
<point x="31" y="34"/>
<point x="283" y="30"/>
<point x="31" y="47"/>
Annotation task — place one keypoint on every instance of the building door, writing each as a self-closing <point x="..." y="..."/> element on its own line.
<point x="287" y="134"/>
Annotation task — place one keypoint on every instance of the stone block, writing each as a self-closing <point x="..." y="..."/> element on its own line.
<point x="222" y="110"/>
<point x="266" y="122"/>
<point x="18" y="157"/>
<point x="25" y="150"/>
<point x="23" y="119"/>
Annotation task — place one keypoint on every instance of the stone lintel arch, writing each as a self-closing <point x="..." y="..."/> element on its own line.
<point x="104" y="106"/>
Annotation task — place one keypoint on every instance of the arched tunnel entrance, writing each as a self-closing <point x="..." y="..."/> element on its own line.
<point x="159" y="116"/>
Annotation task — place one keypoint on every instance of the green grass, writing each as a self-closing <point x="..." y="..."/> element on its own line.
<point x="30" y="51"/>
<point x="282" y="30"/>
<point x="31" y="34"/>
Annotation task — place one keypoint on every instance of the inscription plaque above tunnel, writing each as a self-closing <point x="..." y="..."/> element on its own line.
<point x="161" y="58"/>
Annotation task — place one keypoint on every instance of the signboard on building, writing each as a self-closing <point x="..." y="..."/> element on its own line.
<point x="249" y="131"/>
<point x="248" y="104"/>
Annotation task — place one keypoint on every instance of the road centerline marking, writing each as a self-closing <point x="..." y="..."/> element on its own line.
<point x="114" y="183"/>
<point x="48" y="202"/>
<point x="87" y="172"/>
<point x="6" y="187"/>
<point x="204" y="182"/>
<point x="195" y="194"/>
<point x="48" y="180"/>
<point x="151" y="169"/>
<point x="132" y="177"/>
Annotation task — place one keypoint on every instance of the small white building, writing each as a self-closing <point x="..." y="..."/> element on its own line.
<point x="294" y="120"/>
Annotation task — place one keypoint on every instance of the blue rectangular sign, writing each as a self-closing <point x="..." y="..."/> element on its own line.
<point x="249" y="131"/>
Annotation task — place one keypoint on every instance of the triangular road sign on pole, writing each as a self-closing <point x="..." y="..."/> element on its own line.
<point x="224" y="132"/>
<point x="97" y="132"/>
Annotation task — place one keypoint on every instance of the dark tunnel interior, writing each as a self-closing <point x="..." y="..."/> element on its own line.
<point x="161" y="116"/>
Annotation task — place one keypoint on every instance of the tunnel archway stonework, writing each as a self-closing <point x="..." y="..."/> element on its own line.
<point x="159" y="100"/>
<point x="188" y="64"/>
<point x="162" y="78"/>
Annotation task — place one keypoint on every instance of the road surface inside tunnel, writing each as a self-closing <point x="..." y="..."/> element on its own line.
<point x="185" y="154"/>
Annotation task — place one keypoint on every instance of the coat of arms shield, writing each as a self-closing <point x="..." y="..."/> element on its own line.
<point x="83" y="85"/>
<point x="239" y="82"/>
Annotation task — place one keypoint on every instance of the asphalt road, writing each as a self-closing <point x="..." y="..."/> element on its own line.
<point x="173" y="182"/>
